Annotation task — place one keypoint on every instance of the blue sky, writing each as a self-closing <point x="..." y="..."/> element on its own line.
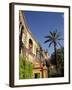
<point x="40" y="23"/>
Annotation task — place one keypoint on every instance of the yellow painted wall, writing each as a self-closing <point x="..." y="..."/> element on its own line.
<point x="35" y="46"/>
<point x="28" y="34"/>
<point x="37" y="71"/>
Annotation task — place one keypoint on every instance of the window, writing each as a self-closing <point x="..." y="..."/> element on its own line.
<point x="30" y="45"/>
<point x="37" y="53"/>
<point x="37" y="75"/>
<point x="21" y="28"/>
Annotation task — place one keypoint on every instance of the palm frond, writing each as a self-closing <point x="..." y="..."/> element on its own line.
<point x="47" y="41"/>
<point x="57" y="35"/>
<point x="59" y="44"/>
<point x="47" y="37"/>
<point x="53" y="37"/>
<point x="51" y="33"/>
<point x="60" y="39"/>
<point x="50" y="44"/>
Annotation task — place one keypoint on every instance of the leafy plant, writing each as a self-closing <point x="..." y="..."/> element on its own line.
<point x="25" y="68"/>
<point x="52" y="72"/>
<point x="60" y="61"/>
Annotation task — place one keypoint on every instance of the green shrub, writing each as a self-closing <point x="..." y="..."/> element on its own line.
<point x="25" y="68"/>
<point x="52" y="72"/>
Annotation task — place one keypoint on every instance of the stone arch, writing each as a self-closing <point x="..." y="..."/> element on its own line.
<point x="30" y="45"/>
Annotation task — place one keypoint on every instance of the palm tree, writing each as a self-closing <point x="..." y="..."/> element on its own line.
<point x="53" y="38"/>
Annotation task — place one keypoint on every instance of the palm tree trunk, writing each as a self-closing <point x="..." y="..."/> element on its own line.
<point x="55" y="54"/>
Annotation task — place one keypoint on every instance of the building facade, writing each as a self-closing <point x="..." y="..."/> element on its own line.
<point x="30" y="47"/>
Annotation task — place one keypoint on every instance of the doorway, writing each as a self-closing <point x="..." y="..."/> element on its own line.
<point x="37" y="75"/>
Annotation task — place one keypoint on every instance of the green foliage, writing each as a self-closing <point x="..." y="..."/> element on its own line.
<point x="53" y="39"/>
<point x="38" y="75"/>
<point x="25" y="68"/>
<point x="52" y="72"/>
<point x="60" y="61"/>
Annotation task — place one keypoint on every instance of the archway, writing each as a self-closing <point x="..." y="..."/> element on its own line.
<point x="30" y="45"/>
